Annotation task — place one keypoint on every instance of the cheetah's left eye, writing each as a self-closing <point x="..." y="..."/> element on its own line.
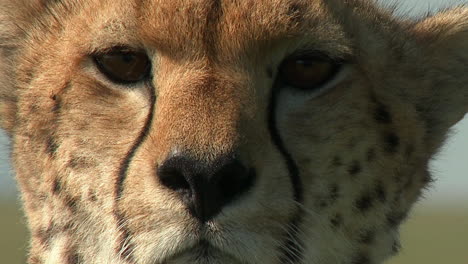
<point x="123" y="66"/>
<point x="308" y="72"/>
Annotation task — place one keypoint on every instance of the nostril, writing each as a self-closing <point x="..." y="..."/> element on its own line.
<point x="233" y="179"/>
<point x="173" y="179"/>
<point x="205" y="187"/>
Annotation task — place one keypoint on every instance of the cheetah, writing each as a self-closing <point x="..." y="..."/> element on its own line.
<point x="209" y="131"/>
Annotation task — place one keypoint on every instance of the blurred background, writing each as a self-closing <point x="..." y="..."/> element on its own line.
<point x="436" y="232"/>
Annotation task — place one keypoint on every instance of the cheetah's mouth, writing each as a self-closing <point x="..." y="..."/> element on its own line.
<point x="207" y="246"/>
<point x="203" y="252"/>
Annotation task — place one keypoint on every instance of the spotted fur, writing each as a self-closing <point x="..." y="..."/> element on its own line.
<point x="336" y="173"/>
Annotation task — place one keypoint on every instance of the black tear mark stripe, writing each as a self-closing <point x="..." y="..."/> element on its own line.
<point x="278" y="142"/>
<point x="292" y="250"/>
<point x="124" y="247"/>
<point x="141" y="137"/>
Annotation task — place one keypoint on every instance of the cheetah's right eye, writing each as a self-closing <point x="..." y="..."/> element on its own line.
<point x="123" y="66"/>
<point x="309" y="71"/>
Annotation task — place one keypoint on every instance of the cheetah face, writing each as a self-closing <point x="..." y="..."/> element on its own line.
<point x="222" y="131"/>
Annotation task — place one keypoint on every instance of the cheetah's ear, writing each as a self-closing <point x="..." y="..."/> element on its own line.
<point x="444" y="39"/>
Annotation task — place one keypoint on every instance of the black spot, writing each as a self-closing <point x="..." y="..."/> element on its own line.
<point x="92" y="197"/>
<point x="57" y="106"/>
<point x="294" y="8"/>
<point x="8" y="50"/>
<point x="365" y="202"/>
<point x="367" y="237"/>
<point x="391" y="142"/>
<point x="334" y="192"/>
<point x="51" y="146"/>
<point x="71" y="203"/>
<point x="74" y="258"/>
<point x="29" y="76"/>
<point x="370" y="155"/>
<point x="355" y="168"/>
<point x="382" y="115"/>
<point x="79" y="163"/>
<point x="336" y="221"/>
<point x="394" y="219"/>
<point x="380" y="192"/>
<point x="74" y="163"/>
<point x="295" y="13"/>
<point x="361" y="258"/>
<point x="321" y="203"/>
<point x="336" y="162"/>
<point x="44" y="235"/>
<point x="68" y="226"/>
<point x="56" y="186"/>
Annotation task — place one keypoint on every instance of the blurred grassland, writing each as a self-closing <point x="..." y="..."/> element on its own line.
<point x="430" y="236"/>
<point x="435" y="236"/>
<point x="13" y="234"/>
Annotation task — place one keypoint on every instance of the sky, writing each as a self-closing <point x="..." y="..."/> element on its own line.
<point x="450" y="167"/>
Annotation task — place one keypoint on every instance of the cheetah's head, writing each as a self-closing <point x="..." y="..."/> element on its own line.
<point x="254" y="131"/>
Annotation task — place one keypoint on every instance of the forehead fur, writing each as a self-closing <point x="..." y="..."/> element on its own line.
<point x="226" y="27"/>
<point x="206" y="28"/>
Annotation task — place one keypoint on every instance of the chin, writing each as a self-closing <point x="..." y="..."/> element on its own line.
<point x="202" y="253"/>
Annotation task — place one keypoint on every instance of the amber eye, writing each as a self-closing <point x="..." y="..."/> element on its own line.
<point x="123" y="66"/>
<point x="308" y="72"/>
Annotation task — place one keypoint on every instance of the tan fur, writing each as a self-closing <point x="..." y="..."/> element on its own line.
<point x="362" y="147"/>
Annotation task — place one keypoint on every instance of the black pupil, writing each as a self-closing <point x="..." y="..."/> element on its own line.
<point x="307" y="72"/>
<point x="305" y="63"/>
<point x="127" y="58"/>
<point x="124" y="67"/>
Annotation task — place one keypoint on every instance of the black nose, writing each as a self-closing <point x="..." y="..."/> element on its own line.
<point x="206" y="187"/>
